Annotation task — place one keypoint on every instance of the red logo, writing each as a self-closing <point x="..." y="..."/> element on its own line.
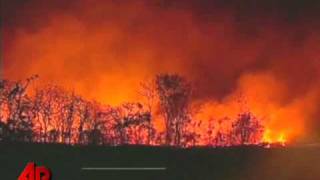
<point x="31" y="172"/>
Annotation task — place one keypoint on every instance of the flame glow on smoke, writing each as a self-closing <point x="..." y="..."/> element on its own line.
<point x="103" y="50"/>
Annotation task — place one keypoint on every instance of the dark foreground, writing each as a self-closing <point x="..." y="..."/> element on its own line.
<point x="245" y="163"/>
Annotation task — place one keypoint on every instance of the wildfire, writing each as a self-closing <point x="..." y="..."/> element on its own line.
<point x="51" y="108"/>
<point x="282" y="139"/>
<point x="270" y="138"/>
<point x="106" y="49"/>
<point x="266" y="137"/>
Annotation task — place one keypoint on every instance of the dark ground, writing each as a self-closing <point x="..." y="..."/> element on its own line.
<point x="241" y="163"/>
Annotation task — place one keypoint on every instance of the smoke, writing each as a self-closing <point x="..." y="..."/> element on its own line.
<point x="267" y="50"/>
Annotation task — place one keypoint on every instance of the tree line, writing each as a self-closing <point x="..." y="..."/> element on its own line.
<point x="51" y="114"/>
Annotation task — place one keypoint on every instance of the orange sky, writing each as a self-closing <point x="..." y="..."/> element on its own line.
<point x="103" y="50"/>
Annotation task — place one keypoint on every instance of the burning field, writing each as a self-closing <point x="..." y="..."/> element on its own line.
<point x="187" y="73"/>
<point x="164" y="74"/>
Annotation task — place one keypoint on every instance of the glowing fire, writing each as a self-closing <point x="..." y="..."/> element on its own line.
<point x="106" y="60"/>
<point x="54" y="108"/>
<point x="271" y="138"/>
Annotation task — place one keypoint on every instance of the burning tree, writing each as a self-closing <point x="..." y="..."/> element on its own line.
<point x="54" y="112"/>
<point x="16" y="116"/>
<point x="247" y="129"/>
<point x="174" y="96"/>
<point x="98" y="126"/>
<point x="45" y="106"/>
<point x="85" y="114"/>
<point x="132" y="124"/>
<point x="218" y="132"/>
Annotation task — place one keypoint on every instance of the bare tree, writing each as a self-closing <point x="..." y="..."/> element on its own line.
<point x="85" y="111"/>
<point x="132" y="123"/>
<point x="16" y="104"/>
<point x="174" y="96"/>
<point x="43" y="109"/>
<point x="149" y="93"/>
<point x="70" y="113"/>
<point x="246" y="129"/>
<point x="94" y="124"/>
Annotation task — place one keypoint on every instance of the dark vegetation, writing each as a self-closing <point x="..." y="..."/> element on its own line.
<point x="51" y="114"/>
<point x="65" y="132"/>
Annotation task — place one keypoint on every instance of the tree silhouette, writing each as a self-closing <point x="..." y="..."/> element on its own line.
<point x="17" y="106"/>
<point x="174" y="97"/>
<point x="132" y="123"/>
<point x="247" y="129"/>
<point x="51" y="114"/>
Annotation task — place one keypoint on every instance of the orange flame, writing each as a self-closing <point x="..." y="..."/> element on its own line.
<point x="269" y="137"/>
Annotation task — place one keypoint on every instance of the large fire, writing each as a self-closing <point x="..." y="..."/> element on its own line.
<point x="236" y="63"/>
<point x="164" y="116"/>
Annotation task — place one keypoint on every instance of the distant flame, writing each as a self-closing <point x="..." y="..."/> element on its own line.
<point x="273" y="138"/>
<point x="266" y="137"/>
<point x="282" y="139"/>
